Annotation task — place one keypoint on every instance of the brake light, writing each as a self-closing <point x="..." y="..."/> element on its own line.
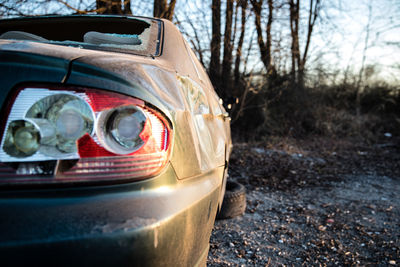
<point x="69" y="134"/>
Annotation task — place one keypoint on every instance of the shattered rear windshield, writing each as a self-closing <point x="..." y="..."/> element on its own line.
<point x="108" y="33"/>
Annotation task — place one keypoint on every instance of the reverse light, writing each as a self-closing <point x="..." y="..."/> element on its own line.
<point x="123" y="129"/>
<point x="69" y="134"/>
<point x="22" y="139"/>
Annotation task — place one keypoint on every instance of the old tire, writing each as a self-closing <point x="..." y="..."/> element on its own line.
<point x="234" y="203"/>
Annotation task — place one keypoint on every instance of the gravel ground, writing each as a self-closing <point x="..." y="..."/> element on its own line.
<point x="316" y="202"/>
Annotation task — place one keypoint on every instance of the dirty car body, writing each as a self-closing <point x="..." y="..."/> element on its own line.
<point x="114" y="145"/>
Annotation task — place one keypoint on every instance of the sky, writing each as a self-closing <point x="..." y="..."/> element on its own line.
<point x="352" y="20"/>
<point x="338" y="41"/>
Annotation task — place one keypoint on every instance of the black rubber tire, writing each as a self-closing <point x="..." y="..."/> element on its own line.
<point x="234" y="203"/>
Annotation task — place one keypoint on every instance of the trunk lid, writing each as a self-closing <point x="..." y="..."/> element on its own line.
<point x="20" y="64"/>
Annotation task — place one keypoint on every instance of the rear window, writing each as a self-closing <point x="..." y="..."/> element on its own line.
<point x="109" y="33"/>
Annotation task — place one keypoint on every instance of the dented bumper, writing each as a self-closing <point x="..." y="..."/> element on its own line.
<point x="147" y="223"/>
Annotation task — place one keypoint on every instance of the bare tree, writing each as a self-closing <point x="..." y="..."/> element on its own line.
<point x="113" y="7"/>
<point x="164" y="10"/>
<point x="359" y="86"/>
<point x="228" y="46"/>
<point x="127" y="7"/>
<point x="298" y="59"/>
<point x="215" y="46"/>
<point x="294" y="31"/>
<point x="243" y="6"/>
<point x="194" y="23"/>
<point x="39" y="7"/>
<point x="195" y="38"/>
<point x="12" y="9"/>
<point x="265" y="47"/>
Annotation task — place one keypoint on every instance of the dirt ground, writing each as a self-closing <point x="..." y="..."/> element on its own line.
<point x="318" y="202"/>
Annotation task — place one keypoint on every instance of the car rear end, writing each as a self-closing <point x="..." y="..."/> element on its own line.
<point x="85" y="166"/>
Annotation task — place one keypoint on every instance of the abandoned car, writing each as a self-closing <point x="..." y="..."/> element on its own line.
<point x="114" y="146"/>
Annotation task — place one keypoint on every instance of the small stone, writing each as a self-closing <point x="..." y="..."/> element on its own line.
<point x="241" y="253"/>
<point x="392" y="262"/>
<point x="311" y="207"/>
<point x="231" y="244"/>
<point x="280" y="241"/>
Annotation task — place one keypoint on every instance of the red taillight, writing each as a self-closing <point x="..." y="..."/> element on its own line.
<point x="55" y="135"/>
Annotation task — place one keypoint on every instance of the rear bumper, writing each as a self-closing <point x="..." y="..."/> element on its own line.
<point x="120" y="225"/>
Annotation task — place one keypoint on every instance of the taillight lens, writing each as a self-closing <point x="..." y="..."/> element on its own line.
<point x="55" y="135"/>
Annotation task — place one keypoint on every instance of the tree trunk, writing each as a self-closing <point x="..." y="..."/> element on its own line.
<point x="265" y="47"/>
<point x="164" y="10"/>
<point x="240" y="43"/>
<point x="298" y="60"/>
<point x="109" y="7"/>
<point x="127" y="7"/>
<point x="228" y="47"/>
<point x="158" y="6"/>
<point x="269" y="38"/>
<point x="215" y="66"/>
<point x="101" y="6"/>
<point x="294" y="31"/>
<point x="312" y="18"/>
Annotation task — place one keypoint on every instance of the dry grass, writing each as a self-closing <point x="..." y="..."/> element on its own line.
<point x="327" y="111"/>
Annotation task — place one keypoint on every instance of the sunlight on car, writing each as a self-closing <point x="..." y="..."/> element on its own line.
<point x="111" y="130"/>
